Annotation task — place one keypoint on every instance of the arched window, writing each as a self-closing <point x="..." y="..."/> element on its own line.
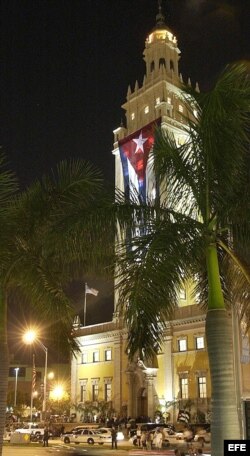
<point x="162" y="61"/>
<point x="152" y="66"/>
<point x="171" y="65"/>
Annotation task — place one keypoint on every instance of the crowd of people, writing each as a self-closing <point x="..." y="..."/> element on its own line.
<point x="153" y="440"/>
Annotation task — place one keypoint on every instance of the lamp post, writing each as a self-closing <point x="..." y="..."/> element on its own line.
<point x="17" y="370"/>
<point x="29" y="338"/>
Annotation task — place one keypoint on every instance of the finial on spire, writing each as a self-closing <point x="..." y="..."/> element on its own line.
<point x="160" y="18"/>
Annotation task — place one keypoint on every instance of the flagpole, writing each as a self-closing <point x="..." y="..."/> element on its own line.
<point x="32" y="389"/>
<point x="85" y="305"/>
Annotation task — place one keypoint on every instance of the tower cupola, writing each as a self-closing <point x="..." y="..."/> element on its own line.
<point x="161" y="50"/>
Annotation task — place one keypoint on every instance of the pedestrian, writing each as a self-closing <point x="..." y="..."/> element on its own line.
<point x="138" y="436"/>
<point x="46" y="437"/>
<point x="144" y="440"/>
<point x="158" y="439"/>
<point x="151" y="436"/>
<point x="148" y="441"/>
<point x="114" y="438"/>
<point x="199" y="452"/>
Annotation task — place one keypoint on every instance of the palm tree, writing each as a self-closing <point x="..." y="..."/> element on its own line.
<point x="197" y="229"/>
<point x="30" y="263"/>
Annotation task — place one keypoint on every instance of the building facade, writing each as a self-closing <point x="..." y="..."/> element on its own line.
<point x="179" y="384"/>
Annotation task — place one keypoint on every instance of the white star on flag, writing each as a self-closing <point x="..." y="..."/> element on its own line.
<point x="139" y="143"/>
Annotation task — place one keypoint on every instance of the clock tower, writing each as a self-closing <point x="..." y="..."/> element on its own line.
<point x="158" y="99"/>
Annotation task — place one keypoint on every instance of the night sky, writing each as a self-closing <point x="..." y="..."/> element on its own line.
<point x="67" y="65"/>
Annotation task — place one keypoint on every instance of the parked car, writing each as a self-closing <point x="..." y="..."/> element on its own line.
<point x="31" y="428"/>
<point x="89" y="436"/>
<point x="202" y="436"/>
<point x="67" y="436"/>
<point x="104" y="430"/>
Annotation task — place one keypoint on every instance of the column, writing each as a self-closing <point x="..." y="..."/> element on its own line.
<point x="168" y="367"/>
<point x="150" y="375"/>
<point x="117" y="397"/>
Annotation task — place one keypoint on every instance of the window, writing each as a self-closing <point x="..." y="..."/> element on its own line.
<point x="83" y="392"/>
<point x="171" y="65"/>
<point x="146" y="109"/>
<point x="199" y="343"/>
<point x="158" y="100"/>
<point x="108" y="392"/>
<point x="202" y="386"/>
<point x="21" y="372"/>
<point x="95" y="356"/>
<point x="180" y="108"/>
<point x="152" y="66"/>
<point x="184" y="388"/>
<point x="84" y="358"/>
<point x="132" y="116"/>
<point x="182" y="345"/>
<point x="95" y="391"/>
<point x="162" y="61"/>
<point x="108" y="355"/>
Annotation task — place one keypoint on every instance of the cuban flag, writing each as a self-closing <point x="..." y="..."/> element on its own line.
<point x="136" y="161"/>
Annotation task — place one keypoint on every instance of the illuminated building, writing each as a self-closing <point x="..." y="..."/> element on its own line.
<point x="101" y="372"/>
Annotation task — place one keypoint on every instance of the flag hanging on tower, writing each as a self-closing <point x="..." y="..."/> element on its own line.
<point x="134" y="153"/>
<point x="33" y="375"/>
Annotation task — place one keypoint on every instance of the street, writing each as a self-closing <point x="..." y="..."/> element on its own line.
<point x="60" y="449"/>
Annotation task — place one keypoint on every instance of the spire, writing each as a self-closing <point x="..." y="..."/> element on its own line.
<point x="160" y="18"/>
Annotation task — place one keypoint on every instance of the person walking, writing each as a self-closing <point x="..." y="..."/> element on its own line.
<point x="148" y="441"/>
<point x="46" y="437"/>
<point x="158" y="439"/>
<point x="138" y="436"/>
<point x="114" y="438"/>
<point x="144" y="440"/>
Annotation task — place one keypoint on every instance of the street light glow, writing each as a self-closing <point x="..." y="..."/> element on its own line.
<point x="57" y="393"/>
<point x="30" y="336"/>
<point x="51" y="375"/>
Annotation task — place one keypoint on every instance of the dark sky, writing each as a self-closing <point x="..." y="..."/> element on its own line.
<point x="68" y="63"/>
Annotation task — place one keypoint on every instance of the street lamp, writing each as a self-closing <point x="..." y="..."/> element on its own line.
<point x="30" y="337"/>
<point x="17" y="370"/>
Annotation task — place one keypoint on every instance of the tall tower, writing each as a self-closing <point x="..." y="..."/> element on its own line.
<point x="157" y="100"/>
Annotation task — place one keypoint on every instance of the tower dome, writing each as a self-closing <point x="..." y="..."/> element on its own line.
<point x="161" y="48"/>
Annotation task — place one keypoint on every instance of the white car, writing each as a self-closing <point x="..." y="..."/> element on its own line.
<point x="31" y="428"/>
<point x="89" y="436"/>
<point x="202" y="436"/>
<point x="103" y="430"/>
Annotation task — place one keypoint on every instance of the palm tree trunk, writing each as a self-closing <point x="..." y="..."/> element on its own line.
<point x="4" y="363"/>
<point x="225" y="419"/>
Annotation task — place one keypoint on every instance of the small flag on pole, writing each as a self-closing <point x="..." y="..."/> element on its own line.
<point x="33" y="375"/>
<point x="89" y="290"/>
